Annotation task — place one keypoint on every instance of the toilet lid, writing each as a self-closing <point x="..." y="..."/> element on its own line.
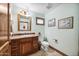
<point x="45" y="43"/>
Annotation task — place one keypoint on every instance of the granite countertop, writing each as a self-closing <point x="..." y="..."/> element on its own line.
<point x="22" y="32"/>
<point x="22" y="36"/>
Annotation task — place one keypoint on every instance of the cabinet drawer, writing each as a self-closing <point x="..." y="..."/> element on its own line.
<point x="15" y="47"/>
<point x="26" y="40"/>
<point x="36" y="38"/>
<point x="14" y="54"/>
<point x="14" y="43"/>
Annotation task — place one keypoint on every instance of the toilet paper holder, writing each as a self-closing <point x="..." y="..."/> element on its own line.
<point x="56" y="41"/>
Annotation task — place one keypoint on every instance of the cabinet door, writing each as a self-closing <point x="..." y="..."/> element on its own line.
<point x="26" y="46"/>
<point x="35" y="44"/>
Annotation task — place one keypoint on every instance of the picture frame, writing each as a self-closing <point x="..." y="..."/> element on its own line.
<point x="52" y="22"/>
<point x="65" y="23"/>
<point x="40" y="21"/>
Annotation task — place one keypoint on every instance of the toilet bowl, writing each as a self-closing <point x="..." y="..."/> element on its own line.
<point x="44" y="46"/>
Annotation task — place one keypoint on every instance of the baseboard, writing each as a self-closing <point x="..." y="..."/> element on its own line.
<point x="58" y="51"/>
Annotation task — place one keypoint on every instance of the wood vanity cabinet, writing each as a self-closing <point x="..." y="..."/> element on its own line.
<point x="24" y="46"/>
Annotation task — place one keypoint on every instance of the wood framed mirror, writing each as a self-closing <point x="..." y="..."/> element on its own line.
<point x="24" y="23"/>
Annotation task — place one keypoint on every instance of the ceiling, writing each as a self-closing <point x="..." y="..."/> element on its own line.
<point x="39" y="7"/>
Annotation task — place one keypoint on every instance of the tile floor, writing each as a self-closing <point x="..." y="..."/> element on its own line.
<point x="50" y="52"/>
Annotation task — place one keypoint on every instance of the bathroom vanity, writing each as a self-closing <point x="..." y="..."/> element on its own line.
<point x="23" y="42"/>
<point x="22" y="45"/>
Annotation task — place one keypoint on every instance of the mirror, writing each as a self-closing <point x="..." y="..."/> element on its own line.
<point x="24" y="23"/>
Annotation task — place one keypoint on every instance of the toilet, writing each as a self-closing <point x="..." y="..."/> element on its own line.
<point x="44" y="46"/>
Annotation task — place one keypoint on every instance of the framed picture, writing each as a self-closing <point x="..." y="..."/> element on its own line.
<point x="40" y="21"/>
<point x="52" y="22"/>
<point x="65" y="23"/>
